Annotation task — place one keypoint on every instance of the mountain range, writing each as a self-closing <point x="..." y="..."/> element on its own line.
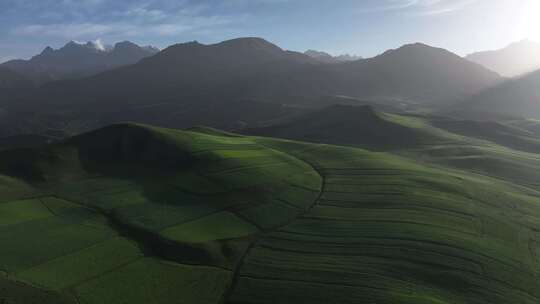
<point x="327" y="58"/>
<point x="252" y="68"/>
<point x="313" y="199"/>
<point x="239" y="83"/>
<point x="514" y="60"/>
<point x="417" y="73"/>
<point x="77" y="60"/>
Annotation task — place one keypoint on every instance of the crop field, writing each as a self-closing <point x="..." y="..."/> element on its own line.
<point x="152" y="215"/>
<point x="387" y="231"/>
<point x="104" y="224"/>
<point x="152" y="281"/>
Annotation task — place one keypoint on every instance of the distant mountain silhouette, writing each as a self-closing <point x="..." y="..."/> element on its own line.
<point x="187" y="73"/>
<point x="76" y="60"/>
<point x="514" y="60"/>
<point x="418" y="73"/>
<point x="252" y="68"/>
<point x="185" y="80"/>
<point x="327" y="58"/>
<point x="516" y="97"/>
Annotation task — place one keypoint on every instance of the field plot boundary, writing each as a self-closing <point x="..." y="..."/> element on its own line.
<point x="236" y="271"/>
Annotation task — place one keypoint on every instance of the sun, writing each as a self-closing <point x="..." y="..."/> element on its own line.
<point x="529" y="19"/>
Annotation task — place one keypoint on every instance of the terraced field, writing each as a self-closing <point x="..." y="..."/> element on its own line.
<point x="388" y="231"/>
<point x="135" y="214"/>
<point x="507" y="150"/>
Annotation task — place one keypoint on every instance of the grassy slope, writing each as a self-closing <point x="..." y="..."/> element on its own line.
<point x="387" y="230"/>
<point x="349" y="125"/>
<point x="130" y="209"/>
<point x="126" y="201"/>
<point x="504" y="150"/>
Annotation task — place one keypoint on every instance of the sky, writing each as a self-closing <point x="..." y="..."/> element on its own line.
<point x="360" y="27"/>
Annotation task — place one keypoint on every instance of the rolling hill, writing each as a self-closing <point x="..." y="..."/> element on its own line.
<point x="514" y="60"/>
<point x="503" y="133"/>
<point x="347" y="125"/>
<point x="143" y="214"/>
<point x="505" y="150"/>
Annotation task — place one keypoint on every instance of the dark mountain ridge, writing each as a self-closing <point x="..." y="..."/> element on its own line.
<point x="254" y="68"/>
<point x="421" y="74"/>
<point x="182" y="84"/>
<point x="75" y="60"/>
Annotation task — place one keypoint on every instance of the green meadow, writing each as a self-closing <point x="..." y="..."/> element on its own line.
<point x="137" y="214"/>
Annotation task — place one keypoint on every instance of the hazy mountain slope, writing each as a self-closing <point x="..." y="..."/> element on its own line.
<point x="184" y="74"/>
<point x="254" y="68"/>
<point x="141" y="214"/>
<point x="419" y="73"/>
<point x="12" y="80"/>
<point x="516" y="97"/>
<point x="23" y="141"/>
<point x="230" y="115"/>
<point x="514" y="60"/>
<point x="181" y="85"/>
<point x="76" y="60"/>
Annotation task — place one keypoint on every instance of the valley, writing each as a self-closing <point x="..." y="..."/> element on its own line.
<point x="163" y="152"/>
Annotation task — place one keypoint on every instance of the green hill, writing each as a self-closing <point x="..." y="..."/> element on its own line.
<point x="352" y="125"/>
<point x="137" y="214"/>
<point x="515" y="137"/>
<point x="505" y="150"/>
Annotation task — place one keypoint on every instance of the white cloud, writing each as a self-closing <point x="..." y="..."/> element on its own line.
<point x="64" y="30"/>
<point x="136" y="18"/>
<point x="146" y="13"/>
<point x="88" y="30"/>
<point x="421" y="7"/>
<point x="444" y="7"/>
<point x="98" y="43"/>
<point x="246" y="2"/>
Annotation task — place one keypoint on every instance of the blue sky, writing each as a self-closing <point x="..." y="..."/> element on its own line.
<point x="363" y="27"/>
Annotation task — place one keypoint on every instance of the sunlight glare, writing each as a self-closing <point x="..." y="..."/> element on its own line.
<point x="530" y="20"/>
